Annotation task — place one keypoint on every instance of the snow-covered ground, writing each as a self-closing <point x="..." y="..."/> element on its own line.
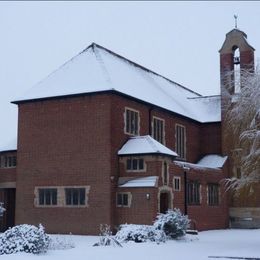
<point x="231" y="243"/>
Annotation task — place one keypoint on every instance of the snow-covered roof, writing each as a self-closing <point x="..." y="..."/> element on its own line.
<point x="97" y="69"/>
<point x="9" y="146"/>
<point x="207" y="107"/>
<point x="212" y="161"/>
<point x="150" y="181"/>
<point x="144" y="145"/>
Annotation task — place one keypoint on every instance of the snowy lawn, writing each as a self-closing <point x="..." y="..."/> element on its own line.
<point x="231" y="243"/>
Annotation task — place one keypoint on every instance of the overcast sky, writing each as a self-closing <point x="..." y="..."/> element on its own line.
<point x="179" y="40"/>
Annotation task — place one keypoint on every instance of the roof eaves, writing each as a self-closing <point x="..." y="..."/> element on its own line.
<point x="211" y="96"/>
<point x="146" y="154"/>
<point x="17" y="102"/>
<point x="8" y="151"/>
<point x="60" y="97"/>
<point x="195" y="166"/>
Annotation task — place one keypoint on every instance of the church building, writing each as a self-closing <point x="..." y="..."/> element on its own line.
<point x="103" y="140"/>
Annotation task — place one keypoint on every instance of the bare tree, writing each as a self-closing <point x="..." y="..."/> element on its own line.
<point x="242" y="129"/>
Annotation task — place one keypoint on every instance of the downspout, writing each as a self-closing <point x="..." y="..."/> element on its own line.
<point x="186" y="169"/>
<point x="185" y="194"/>
<point x="150" y="122"/>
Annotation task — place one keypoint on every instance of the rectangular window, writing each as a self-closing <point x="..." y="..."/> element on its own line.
<point x="165" y="173"/>
<point x="131" y="122"/>
<point x="47" y="197"/>
<point x="122" y="200"/>
<point x="158" y="130"/>
<point x="177" y="183"/>
<point x="180" y="141"/>
<point x="8" y="161"/>
<point x="213" y="194"/>
<point x="75" y="196"/>
<point x="193" y="193"/>
<point x="135" y="164"/>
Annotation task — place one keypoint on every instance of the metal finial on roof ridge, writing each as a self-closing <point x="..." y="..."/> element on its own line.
<point x="235" y="16"/>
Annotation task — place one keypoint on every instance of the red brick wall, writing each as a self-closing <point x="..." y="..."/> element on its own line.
<point x="205" y="216"/>
<point x="74" y="141"/>
<point x="248" y="197"/>
<point x="142" y="210"/>
<point x="65" y="142"/>
<point x="247" y="60"/>
<point x="7" y="174"/>
<point x="201" y="139"/>
<point x="245" y="199"/>
<point x="210" y="136"/>
<point x="192" y="128"/>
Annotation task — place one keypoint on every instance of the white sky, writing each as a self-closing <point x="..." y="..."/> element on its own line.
<point x="179" y="40"/>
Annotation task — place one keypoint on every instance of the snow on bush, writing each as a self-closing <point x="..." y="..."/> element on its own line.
<point x="173" y="223"/>
<point x="24" y="238"/>
<point x="140" y="233"/>
<point x="106" y="238"/>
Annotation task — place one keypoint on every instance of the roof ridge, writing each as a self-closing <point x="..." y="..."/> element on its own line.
<point x="151" y="142"/>
<point x="143" y="68"/>
<point x="102" y="64"/>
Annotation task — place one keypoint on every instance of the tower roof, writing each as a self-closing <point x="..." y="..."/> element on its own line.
<point x="236" y="38"/>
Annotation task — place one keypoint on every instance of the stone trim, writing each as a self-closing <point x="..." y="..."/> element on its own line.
<point x="165" y="189"/>
<point x="7" y="185"/>
<point x="61" y="199"/>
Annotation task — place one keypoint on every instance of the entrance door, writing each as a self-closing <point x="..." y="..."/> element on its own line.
<point x="7" y="196"/>
<point x="164" y="202"/>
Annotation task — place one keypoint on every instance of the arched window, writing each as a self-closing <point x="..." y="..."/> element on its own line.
<point x="237" y="72"/>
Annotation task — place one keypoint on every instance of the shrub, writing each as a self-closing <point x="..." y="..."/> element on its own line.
<point x="106" y="238"/>
<point x="173" y="223"/>
<point x="139" y="233"/>
<point x="24" y="238"/>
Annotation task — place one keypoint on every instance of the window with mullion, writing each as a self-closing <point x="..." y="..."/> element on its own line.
<point x="135" y="164"/>
<point x="213" y="194"/>
<point x="122" y="200"/>
<point x="193" y="193"/>
<point x="75" y="196"/>
<point x="47" y="197"/>
<point x="158" y="129"/>
<point x="131" y="122"/>
<point x="180" y="141"/>
<point x="177" y="183"/>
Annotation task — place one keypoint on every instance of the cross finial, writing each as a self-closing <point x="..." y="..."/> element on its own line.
<point x="235" y="16"/>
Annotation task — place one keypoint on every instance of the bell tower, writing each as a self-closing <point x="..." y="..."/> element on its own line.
<point x="236" y="61"/>
<point x="236" y="56"/>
